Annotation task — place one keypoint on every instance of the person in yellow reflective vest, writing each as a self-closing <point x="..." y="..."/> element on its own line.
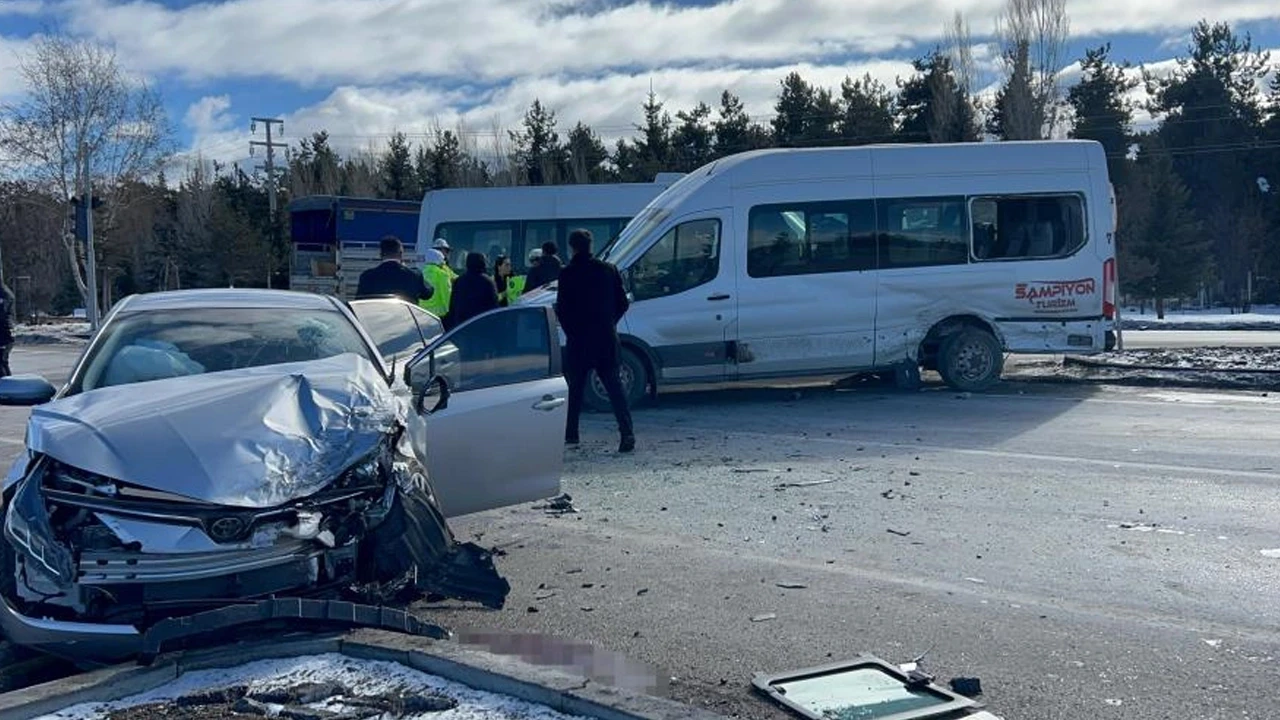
<point x="442" y="246"/>
<point x="509" y="284"/>
<point x="436" y="273"/>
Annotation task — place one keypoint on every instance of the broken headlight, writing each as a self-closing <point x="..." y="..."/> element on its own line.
<point x="27" y="528"/>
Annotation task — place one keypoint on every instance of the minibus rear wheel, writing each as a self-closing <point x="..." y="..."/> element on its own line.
<point x="970" y="360"/>
<point x="635" y="383"/>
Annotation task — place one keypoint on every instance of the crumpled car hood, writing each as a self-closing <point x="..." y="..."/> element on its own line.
<point x="256" y="437"/>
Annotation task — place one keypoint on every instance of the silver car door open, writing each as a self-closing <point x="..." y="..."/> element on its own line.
<point x="497" y="439"/>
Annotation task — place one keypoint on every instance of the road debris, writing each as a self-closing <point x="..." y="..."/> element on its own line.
<point x="967" y="686"/>
<point x="899" y="533"/>
<point x="559" y="505"/>
<point x="804" y="483"/>
<point x="792" y="585"/>
<point x="865" y="687"/>
<point x="1275" y="553"/>
<point x="763" y="617"/>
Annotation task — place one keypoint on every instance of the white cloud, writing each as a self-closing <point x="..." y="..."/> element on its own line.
<point x="11" y="82"/>
<point x="367" y="42"/>
<point x="22" y="7"/>
<point x="209" y="114"/>
<point x="361" y="117"/>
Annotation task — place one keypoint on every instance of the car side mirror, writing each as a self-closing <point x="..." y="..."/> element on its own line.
<point x="437" y="388"/>
<point x="26" y="390"/>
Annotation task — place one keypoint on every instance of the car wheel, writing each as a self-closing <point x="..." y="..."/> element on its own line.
<point x="971" y="360"/>
<point x="635" y="383"/>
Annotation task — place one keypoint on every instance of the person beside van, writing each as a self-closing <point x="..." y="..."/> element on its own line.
<point x="474" y="293"/>
<point x="441" y="246"/>
<point x="392" y="277"/>
<point x="508" y="283"/>
<point x="547" y="270"/>
<point x="590" y="300"/>
<point x="8" y="304"/>
<point x="435" y="272"/>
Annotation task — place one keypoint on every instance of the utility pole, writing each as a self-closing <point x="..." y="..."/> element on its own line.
<point x="270" y="167"/>
<point x="90" y="254"/>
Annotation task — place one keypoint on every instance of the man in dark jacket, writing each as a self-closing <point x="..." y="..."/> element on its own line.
<point x="589" y="303"/>
<point x="473" y="293"/>
<point x="392" y="277"/>
<point x="547" y="269"/>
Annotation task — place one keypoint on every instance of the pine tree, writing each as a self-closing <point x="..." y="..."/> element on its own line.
<point x="1211" y="102"/>
<point x="866" y="107"/>
<point x="932" y="106"/>
<point x="1015" y="114"/>
<point x="587" y="155"/>
<point x="538" y="152"/>
<point x="1160" y="229"/>
<point x="732" y="128"/>
<point x="1101" y="108"/>
<point x="692" y="142"/>
<point x="395" y="170"/>
<point x="649" y="154"/>
<point x="794" y="111"/>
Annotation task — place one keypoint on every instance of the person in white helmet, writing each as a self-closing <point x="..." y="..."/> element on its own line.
<point x="435" y="271"/>
<point x="442" y="246"/>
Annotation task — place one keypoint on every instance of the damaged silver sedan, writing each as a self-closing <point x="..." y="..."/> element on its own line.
<point x="221" y="448"/>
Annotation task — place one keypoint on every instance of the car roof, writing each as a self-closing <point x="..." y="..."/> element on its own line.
<point x="226" y="298"/>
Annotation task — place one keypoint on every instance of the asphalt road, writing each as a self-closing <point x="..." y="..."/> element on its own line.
<point x="1085" y="551"/>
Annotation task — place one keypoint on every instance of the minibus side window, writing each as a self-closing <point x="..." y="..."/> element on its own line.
<point x="918" y="232"/>
<point x="686" y="256"/>
<point x="1028" y="227"/>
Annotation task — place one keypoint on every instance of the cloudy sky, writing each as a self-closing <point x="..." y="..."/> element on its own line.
<point x="363" y="68"/>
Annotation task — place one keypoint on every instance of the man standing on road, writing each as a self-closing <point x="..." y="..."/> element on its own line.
<point x="391" y="276"/>
<point x="590" y="301"/>
<point x="473" y="294"/>
<point x="7" y="313"/>
<point x="547" y="269"/>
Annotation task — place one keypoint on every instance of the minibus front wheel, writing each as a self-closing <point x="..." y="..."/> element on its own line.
<point x="635" y="383"/>
<point x="970" y="360"/>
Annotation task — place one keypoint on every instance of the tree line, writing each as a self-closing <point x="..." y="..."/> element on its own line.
<point x="1198" y="205"/>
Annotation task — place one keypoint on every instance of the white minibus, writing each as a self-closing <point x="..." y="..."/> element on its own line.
<point x="511" y="221"/>
<point x="833" y="261"/>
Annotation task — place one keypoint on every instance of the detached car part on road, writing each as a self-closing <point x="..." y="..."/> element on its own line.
<point x="184" y="467"/>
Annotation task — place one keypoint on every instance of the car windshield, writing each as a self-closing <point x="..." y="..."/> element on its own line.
<point x="142" y="346"/>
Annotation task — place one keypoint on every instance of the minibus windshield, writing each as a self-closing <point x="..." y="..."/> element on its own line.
<point x="640" y="227"/>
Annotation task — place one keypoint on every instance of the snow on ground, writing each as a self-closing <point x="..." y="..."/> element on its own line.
<point x="1262" y="317"/>
<point x="1220" y="367"/>
<point x="1196" y="358"/>
<point x="365" y="677"/>
<point x="46" y="333"/>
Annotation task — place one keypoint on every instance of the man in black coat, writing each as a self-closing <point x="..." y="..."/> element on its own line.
<point x="392" y="277"/>
<point x="589" y="303"/>
<point x="473" y="293"/>
<point x="547" y="269"/>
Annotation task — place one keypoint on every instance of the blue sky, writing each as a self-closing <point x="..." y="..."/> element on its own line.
<point x="364" y="68"/>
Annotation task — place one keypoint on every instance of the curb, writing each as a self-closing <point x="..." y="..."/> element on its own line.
<point x="552" y="687"/>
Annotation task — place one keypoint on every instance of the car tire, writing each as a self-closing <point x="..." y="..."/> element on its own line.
<point x="635" y="384"/>
<point x="971" y="360"/>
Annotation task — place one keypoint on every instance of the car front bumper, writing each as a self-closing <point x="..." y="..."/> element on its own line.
<point x="73" y="640"/>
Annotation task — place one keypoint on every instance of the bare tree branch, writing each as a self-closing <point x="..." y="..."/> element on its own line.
<point x="82" y="109"/>
<point x="1033" y="35"/>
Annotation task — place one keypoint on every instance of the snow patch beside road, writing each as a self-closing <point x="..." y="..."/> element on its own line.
<point x="1263" y="317"/>
<point x="366" y="678"/>
<point x="51" y="333"/>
